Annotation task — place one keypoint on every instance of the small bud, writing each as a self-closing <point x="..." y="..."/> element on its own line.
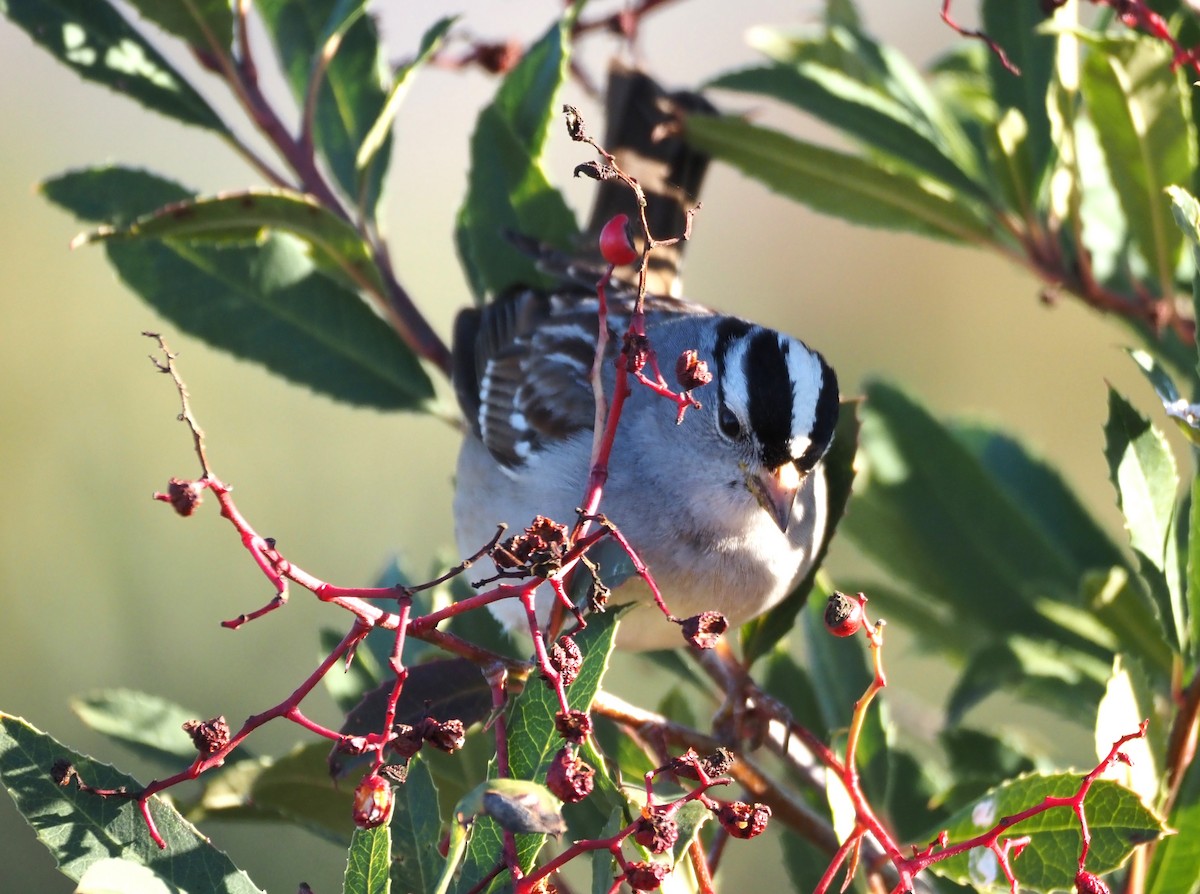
<point x="645" y="876"/>
<point x="569" y="778"/>
<point x="1087" y="883"/>
<point x="209" y="736"/>
<point x="657" y="832"/>
<point x="742" y="820"/>
<point x="574" y="123"/>
<point x="843" y="615"/>
<point x="616" y="242"/>
<point x="183" y="495"/>
<point x="447" y="736"/>
<point x="372" y="801"/>
<point x="704" y="630"/>
<point x="691" y="372"/>
<point x="566" y="659"/>
<point x="574" y="726"/>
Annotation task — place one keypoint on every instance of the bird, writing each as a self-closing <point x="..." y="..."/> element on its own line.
<point x="727" y="506"/>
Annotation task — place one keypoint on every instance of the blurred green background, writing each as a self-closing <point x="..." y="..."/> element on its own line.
<point x="101" y="587"/>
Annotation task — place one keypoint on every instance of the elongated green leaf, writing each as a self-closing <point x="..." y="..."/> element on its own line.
<point x="92" y="39"/>
<point x="929" y="513"/>
<point x="298" y="786"/>
<point x="206" y="24"/>
<point x="1142" y="469"/>
<point x="1135" y="99"/>
<point x="1117" y="819"/>
<point x="353" y="87"/>
<point x="150" y="725"/>
<point x="507" y="189"/>
<point x="268" y="303"/>
<point x="80" y="829"/>
<point x="760" y="635"/>
<point x="416" y="831"/>
<point x="1173" y="869"/>
<point x="871" y="118"/>
<point x="368" y="860"/>
<point x="854" y="189"/>
<point x="377" y="135"/>
<point x="249" y="214"/>
<point x="1014" y="27"/>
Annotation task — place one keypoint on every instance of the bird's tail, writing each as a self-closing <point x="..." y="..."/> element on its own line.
<point x="644" y="136"/>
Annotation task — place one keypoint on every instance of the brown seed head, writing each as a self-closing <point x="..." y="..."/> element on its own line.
<point x="209" y="736"/>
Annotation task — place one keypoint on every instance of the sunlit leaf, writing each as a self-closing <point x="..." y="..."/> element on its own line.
<point x="507" y="188"/>
<point x="269" y="303"/>
<point x="92" y="39"/>
<point x="368" y="860"/>
<point x="1117" y="819"/>
<point x="855" y="189"/>
<point x="416" y="831"/>
<point x="80" y="829"/>
<point x="206" y="24"/>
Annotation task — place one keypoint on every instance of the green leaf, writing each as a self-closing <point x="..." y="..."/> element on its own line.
<point x="759" y="636"/>
<point x="1117" y="819"/>
<point x="1129" y="699"/>
<point x="298" y="786"/>
<point x="1192" y="569"/>
<point x="873" y="119"/>
<point x="416" y="830"/>
<point x="269" y="303"/>
<point x="1014" y="26"/>
<point x="367" y="861"/>
<point x="92" y="39"/>
<point x="80" y="829"/>
<point x="151" y="726"/>
<point x="978" y="761"/>
<point x="930" y="514"/>
<point x="1142" y="469"/>
<point x="855" y="189"/>
<point x="1173" y="869"/>
<point x="507" y="189"/>
<point x="377" y="135"/>
<point x="206" y="24"/>
<point x="533" y="739"/>
<point x="249" y="215"/>
<point x="1135" y="99"/>
<point x="353" y="89"/>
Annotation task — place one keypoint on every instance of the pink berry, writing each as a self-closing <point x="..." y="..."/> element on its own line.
<point x="616" y="242"/>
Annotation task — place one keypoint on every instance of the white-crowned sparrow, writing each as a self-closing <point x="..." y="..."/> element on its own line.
<point x="727" y="508"/>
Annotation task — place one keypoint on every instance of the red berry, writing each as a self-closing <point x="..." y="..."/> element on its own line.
<point x="616" y="242"/>
<point x="843" y="615"/>
<point x="373" y="800"/>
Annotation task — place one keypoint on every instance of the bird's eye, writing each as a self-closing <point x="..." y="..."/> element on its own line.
<point x="728" y="423"/>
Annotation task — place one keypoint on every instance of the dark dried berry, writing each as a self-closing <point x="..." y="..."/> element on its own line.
<point x="372" y="801"/>
<point x="657" y="833"/>
<point x="636" y="348"/>
<point x="407" y="741"/>
<point x="704" y="630"/>
<point x="209" y="736"/>
<point x="540" y="547"/>
<point x="593" y="170"/>
<point x="498" y="58"/>
<point x="1087" y="883"/>
<point x="843" y="614"/>
<point x="444" y="735"/>
<point x="645" y="876"/>
<point x="717" y="763"/>
<point x="598" y="596"/>
<point x="183" y="495"/>
<point x="566" y="659"/>
<point x="742" y="820"/>
<point x="691" y="372"/>
<point x="574" y="726"/>
<point x="63" y="772"/>
<point x="569" y="778"/>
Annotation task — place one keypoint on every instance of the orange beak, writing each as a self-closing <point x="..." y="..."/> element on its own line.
<point x="775" y="490"/>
